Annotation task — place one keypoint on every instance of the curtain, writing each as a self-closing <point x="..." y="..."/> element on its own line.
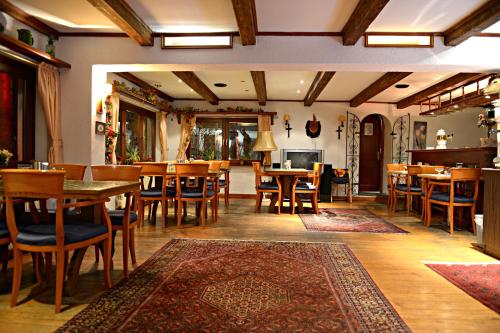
<point x="187" y="125"/>
<point x="163" y="136"/>
<point x="115" y="112"/>
<point x="49" y="89"/>
<point x="264" y="124"/>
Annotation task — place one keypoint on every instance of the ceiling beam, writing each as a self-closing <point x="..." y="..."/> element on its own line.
<point x="192" y="80"/>
<point x="244" y="10"/>
<point x="480" y="19"/>
<point x="386" y="81"/>
<point x="319" y="83"/>
<point x="449" y="83"/>
<point x="259" y="81"/>
<point x="363" y="15"/>
<point x="121" y="14"/>
<point x="143" y="84"/>
<point x="29" y="20"/>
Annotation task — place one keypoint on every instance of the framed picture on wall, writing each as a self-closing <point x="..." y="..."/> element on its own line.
<point x="368" y="129"/>
<point x="419" y="135"/>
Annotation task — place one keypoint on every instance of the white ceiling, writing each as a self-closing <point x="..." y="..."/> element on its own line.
<point x="345" y="85"/>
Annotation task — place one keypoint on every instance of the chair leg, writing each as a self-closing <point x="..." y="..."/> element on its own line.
<point x="107" y="261"/>
<point x="37" y="262"/>
<point x="179" y="213"/>
<point x="132" y="245"/>
<point x="203" y="212"/>
<point x="226" y="195"/>
<point x="315" y="203"/>
<point x="292" y="204"/>
<point x="16" y="279"/>
<point x="59" y="279"/>
<point x="422" y="217"/>
<point x="350" y="194"/>
<point x="125" y="246"/>
<point x="164" y="212"/>
<point x="450" y="217"/>
<point x="258" y="201"/>
<point x="279" y="203"/>
<point x="473" y="217"/>
<point x="213" y="209"/>
<point x="185" y="211"/>
<point x="408" y="203"/>
<point x="140" y="209"/>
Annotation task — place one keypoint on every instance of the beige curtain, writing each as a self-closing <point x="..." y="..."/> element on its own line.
<point x="187" y="125"/>
<point x="264" y="123"/>
<point x="163" y="136"/>
<point x="115" y="111"/>
<point x="49" y="89"/>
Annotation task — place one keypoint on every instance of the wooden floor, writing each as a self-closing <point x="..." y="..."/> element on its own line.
<point x="425" y="300"/>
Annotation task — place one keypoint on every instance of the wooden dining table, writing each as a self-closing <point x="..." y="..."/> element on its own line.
<point x="286" y="177"/>
<point x="88" y="190"/>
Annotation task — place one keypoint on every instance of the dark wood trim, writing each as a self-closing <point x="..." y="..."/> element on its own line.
<point x="449" y="83"/>
<point x="365" y="12"/>
<point x="469" y="100"/>
<point x="281" y="100"/>
<point x="167" y="47"/>
<point x="244" y="10"/>
<point x="313" y="85"/>
<point x="259" y="81"/>
<point x="29" y="20"/>
<point x="93" y="34"/>
<point x="232" y="113"/>
<point x="384" y="82"/>
<point x="241" y="196"/>
<point x="121" y="14"/>
<point x="143" y="84"/>
<point x="192" y="80"/>
<point x="31" y="52"/>
<point x="480" y="19"/>
<point x="318" y="88"/>
<point x="139" y="99"/>
<point x="431" y="41"/>
<point x="301" y="33"/>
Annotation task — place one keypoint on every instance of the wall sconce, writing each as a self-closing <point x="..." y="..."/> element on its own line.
<point x="341" y="119"/>
<point x="107" y="89"/>
<point x="286" y="118"/>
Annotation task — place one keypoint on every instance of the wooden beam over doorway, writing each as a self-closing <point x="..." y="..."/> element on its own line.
<point x="192" y="80"/>
<point x="386" y="81"/>
<point x="364" y="14"/>
<point x="143" y="84"/>
<point x="259" y="81"/>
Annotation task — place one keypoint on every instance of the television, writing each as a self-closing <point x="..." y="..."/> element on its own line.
<point x="301" y="158"/>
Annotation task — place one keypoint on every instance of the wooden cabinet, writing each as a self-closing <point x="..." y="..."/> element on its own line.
<point x="491" y="218"/>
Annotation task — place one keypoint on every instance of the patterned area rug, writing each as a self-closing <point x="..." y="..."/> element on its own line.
<point x="243" y="286"/>
<point x="481" y="281"/>
<point x="348" y="220"/>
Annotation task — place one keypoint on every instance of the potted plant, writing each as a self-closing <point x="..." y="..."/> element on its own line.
<point x="24" y="35"/>
<point x="5" y="156"/>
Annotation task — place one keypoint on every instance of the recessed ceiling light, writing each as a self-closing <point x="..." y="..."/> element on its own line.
<point x="243" y="81"/>
<point x="220" y="84"/>
<point x="298" y="91"/>
<point x="191" y="90"/>
<point x="402" y="85"/>
<point x="455" y="106"/>
<point x="432" y="112"/>
<point x="487" y="96"/>
<point x="246" y="90"/>
<point x="157" y="84"/>
<point x="301" y="81"/>
<point x="180" y="81"/>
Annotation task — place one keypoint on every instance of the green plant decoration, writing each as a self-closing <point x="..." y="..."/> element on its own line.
<point x="109" y="133"/>
<point x="132" y="155"/>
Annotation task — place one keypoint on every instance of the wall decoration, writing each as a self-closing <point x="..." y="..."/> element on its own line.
<point x="313" y="127"/>
<point x="100" y="128"/>
<point x="24" y="35"/>
<point x="419" y="135"/>
<point x="368" y="129"/>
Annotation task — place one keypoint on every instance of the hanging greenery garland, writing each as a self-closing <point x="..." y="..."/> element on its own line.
<point x="110" y="134"/>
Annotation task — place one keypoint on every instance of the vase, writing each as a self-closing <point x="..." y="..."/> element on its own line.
<point x="24" y="35"/>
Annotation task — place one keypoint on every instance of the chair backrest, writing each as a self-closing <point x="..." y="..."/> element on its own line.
<point x="317" y="169"/>
<point x="465" y="174"/>
<point x="191" y="169"/>
<point x="214" y="166"/>
<point x="225" y="164"/>
<point x="430" y="168"/>
<point x="73" y="171"/>
<point x="258" y="173"/>
<point x="395" y="167"/>
<point x="34" y="184"/>
<point x="152" y="169"/>
<point x="116" y="172"/>
<point x="414" y="170"/>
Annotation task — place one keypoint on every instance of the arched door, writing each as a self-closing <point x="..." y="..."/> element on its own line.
<point x="371" y="157"/>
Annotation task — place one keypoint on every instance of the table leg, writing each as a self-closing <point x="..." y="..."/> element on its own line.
<point x="73" y="270"/>
<point x="274" y="200"/>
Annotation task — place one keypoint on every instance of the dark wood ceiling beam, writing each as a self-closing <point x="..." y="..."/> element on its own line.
<point x="121" y="14"/>
<point x="192" y="80"/>
<point x="363" y="15"/>
<point x="244" y="10"/>
<point x="143" y="84"/>
<point x="259" y="81"/>
<point x="386" y="81"/>
<point x="485" y="16"/>
<point x="449" y="83"/>
<point x="320" y="82"/>
<point x="29" y="20"/>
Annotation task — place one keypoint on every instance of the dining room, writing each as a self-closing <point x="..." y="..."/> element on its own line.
<point x="249" y="165"/>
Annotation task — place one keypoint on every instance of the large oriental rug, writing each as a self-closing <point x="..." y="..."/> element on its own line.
<point x="348" y="220"/>
<point x="243" y="286"/>
<point x="479" y="280"/>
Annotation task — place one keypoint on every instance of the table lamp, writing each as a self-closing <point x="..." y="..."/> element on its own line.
<point x="265" y="143"/>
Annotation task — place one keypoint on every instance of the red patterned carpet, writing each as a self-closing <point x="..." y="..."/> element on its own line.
<point x="481" y="281"/>
<point x="348" y="220"/>
<point x="243" y="286"/>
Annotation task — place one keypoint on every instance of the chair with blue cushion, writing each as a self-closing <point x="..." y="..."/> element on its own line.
<point x="427" y="169"/>
<point x="262" y="187"/>
<point x="409" y="189"/>
<point x="200" y="194"/>
<point x="341" y="177"/>
<point x="58" y="238"/>
<point x="463" y="192"/>
<point x="307" y="188"/>
<point x="124" y="220"/>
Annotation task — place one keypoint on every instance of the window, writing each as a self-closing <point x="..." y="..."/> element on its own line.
<point x="225" y="139"/>
<point x="136" y="138"/>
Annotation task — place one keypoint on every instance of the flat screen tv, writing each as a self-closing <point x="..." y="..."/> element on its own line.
<point x="301" y="158"/>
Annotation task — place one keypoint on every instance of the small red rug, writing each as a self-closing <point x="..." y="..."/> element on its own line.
<point x="481" y="281"/>
<point x="243" y="286"/>
<point x="348" y="220"/>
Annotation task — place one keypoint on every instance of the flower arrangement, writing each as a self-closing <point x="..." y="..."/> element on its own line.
<point x="5" y="156"/>
<point x="109" y="133"/>
<point x="486" y="119"/>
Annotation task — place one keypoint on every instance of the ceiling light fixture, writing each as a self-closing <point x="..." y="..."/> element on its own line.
<point x="455" y="106"/>
<point x="487" y="96"/>
<point x="298" y="91"/>
<point x="380" y="39"/>
<point x="196" y="41"/>
<point x="301" y="81"/>
<point x="402" y="85"/>
<point x="180" y="81"/>
<point x="220" y="85"/>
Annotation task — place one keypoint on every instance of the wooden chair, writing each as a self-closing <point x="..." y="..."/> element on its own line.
<point x="198" y="194"/>
<point x="73" y="171"/>
<point x="311" y="189"/>
<point x="426" y="169"/>
<point x="409" y="189"/>
<point x="162" y="194"/>
<point x="265" y="187"/>
<point x="341" y="177"/>
<point x="224" y="183"/>
<point x="453" y="198"/>
<point x="392" y="181"/>
<point x="4" y="240"/>
<point x="59" y="237"/>
<point x="124" y="220"/>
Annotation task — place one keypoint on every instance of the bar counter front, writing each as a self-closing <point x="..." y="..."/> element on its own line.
<point x="470" y="157"/>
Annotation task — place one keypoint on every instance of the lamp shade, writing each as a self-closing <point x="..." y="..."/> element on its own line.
<point x="265" y="141"/>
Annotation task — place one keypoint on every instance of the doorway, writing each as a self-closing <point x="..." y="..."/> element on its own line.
<point x="371" y="157"/>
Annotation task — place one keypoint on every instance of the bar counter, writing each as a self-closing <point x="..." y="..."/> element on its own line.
<point x="481" y="157"/>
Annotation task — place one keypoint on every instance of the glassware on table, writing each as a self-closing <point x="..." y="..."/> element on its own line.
<point x="439" y="170"/>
